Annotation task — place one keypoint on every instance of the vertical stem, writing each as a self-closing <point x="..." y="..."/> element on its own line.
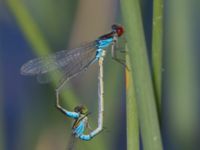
<point x="131" y="111"/>
<point x="183" y="64"/>
<point x="147" y="111"/>
<point x="157" y="47"/>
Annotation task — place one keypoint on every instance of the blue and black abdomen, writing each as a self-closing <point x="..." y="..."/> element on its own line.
<point x="103" y="43"/>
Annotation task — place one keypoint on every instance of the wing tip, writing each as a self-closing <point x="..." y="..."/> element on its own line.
<point x="24" y="70"/>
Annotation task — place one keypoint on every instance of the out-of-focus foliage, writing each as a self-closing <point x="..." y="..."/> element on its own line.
<point x="1" y="109"/>
<point x="182" y="49"/>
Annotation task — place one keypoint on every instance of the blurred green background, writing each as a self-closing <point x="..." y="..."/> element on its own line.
<point x="29" y="119"/>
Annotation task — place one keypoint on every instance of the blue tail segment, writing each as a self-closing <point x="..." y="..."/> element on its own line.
<point x="104" y="43"/>
<point x="74" y="115"/>
<point x="79" y="129"/>
<point x="85" y="137"/>
<point x="101" y="44"/>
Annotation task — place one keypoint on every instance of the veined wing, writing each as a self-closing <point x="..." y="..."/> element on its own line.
<point x="81" y="63"/>
<point x="60" y="60"/>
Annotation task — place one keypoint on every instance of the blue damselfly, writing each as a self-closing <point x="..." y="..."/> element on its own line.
<point x="73" y="62"/>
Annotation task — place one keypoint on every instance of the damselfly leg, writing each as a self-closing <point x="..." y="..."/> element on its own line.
<point x="115" y="55"/>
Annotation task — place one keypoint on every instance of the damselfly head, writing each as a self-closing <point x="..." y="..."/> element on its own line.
<point x="118" y="29"/>
<point x="81" y="109"/>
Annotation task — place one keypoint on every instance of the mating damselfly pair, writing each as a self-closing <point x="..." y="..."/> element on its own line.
<point x="73" y="62"/>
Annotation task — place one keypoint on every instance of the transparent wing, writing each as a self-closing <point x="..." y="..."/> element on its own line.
<point x="68" y="62"/>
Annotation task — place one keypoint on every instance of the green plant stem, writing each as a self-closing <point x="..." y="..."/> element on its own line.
<point x="157" y="47"/>
<point x="35" y="38"/>
<point x="148" y="118"/>
<point x="131" y="112"/>
<point x="182" y="57"/>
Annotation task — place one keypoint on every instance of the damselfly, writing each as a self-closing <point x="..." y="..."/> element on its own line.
<point x="72" y="62"/>
<point x="80" y="124"/>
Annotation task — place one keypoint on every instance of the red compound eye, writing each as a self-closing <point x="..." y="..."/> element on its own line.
<point x="118" y="29"/>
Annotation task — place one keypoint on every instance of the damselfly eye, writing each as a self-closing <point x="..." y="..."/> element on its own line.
<point x="118" y="29"/>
